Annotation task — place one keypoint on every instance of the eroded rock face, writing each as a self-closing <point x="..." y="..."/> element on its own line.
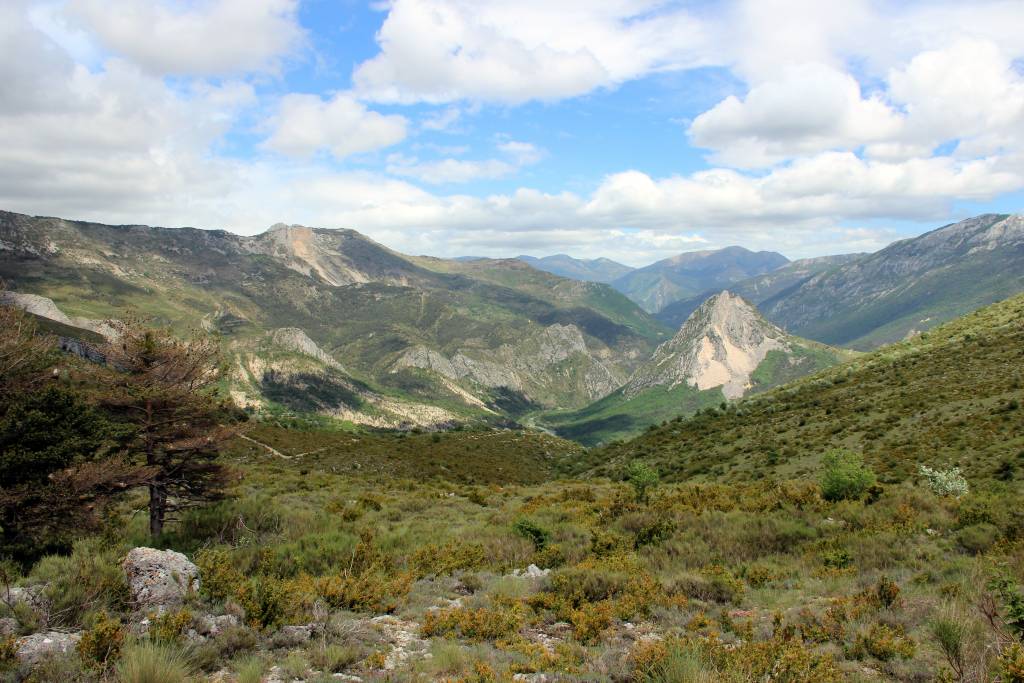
<point x="159" y="578"/>
<point x="39" y="646"/>
<point x="719" y="345"/>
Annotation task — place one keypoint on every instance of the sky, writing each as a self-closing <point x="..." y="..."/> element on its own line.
<point x="629" y="129"/>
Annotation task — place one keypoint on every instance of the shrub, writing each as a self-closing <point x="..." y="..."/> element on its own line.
<point x="168" y="627"/>
<point x="950" y="635"/>
<point x="845" y="476"/>
<point x="948" y="483"/>
<point x="443" y="559"/>
<point x="641" y="477"/>
<point x="150" y="662"/>
<point x="474" y="624"/>
<point x="334" y="658"/>
<point x="538" y="535"/>
<point x="978" y="538"/>
<point x="884" y="643"/>
<point x="101" y="643"/>
<point x="1011" y="664"/>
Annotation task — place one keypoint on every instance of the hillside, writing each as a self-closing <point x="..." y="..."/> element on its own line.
<point x="588" y="270"/>
<point x="723" y="351"/>
<point x="949" y="397"/>
<point x="373" y="311"/>
<point x="908" y="287"/>
<point x="656" y="286"/>
<point x="759" y="288"/>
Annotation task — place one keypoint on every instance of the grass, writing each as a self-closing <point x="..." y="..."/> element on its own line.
<point x="147" y="662"/>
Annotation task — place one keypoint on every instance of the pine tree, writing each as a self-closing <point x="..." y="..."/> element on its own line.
<point x="164" y="388"/>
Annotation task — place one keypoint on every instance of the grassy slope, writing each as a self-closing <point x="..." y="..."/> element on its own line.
<point x="950" y="396"/>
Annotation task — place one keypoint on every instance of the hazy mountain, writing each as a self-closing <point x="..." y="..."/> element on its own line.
<point x="760" y="287"/>
<point x="590" y="270"/>
<point x="680" y="277"/>
<point x="331" y="321"/>
<point x="724" y="350"/>
<point x="909" y="286"/>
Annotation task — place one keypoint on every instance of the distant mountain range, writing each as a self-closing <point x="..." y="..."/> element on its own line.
<point x="589" y="270"/>
<point x="759" y="288"/>
<point x="330" y="322"/>
<point x="684" y="276"/>
<point x="908" y="287"/>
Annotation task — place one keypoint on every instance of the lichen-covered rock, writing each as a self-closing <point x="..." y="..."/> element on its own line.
<point x="38" y="646"/>
<point x="8" y="627"/>
<point x="159" y="578"/>
<point x="209" y="625"/>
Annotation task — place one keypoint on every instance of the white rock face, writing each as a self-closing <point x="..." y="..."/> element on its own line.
<point x="719" y="345"/>
<point x="526" y="366"/>
<point x="39" y="646"/>
<point x="295" y="339"/>
<point x="159" y="578"/>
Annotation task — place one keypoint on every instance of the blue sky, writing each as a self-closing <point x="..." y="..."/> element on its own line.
<point x="632" y="129"/>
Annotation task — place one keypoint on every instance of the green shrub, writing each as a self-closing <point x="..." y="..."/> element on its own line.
<point x="101" y="643"/>
<point x="537" y="534"/>
<point x="150" y="662"/>
<point x="978" y="538"/>
<point x="87" y="581"/>
<point x="334" y="658"/>
<point x="250" y="670"/>
<point x="844" y="476"/>
<point x="641" y="477"/>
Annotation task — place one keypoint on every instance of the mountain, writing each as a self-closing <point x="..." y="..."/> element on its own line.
<point x="686" y="275"/>
<point x="948" y="397"/>
<point x="908" y="287"/>
<point x="759" y="288"/>
<point x="329" y="321"/>
<point x="588" y="270"/>
<point x="723" y="351"/>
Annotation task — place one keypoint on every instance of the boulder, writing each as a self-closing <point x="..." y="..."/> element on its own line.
<point x="8" y="627"/>
<point x="211" y="626"/>
<point x="159" y="578"/>
<point x="39" y="646"/>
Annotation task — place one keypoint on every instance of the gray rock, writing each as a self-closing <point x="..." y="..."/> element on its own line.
<point x="159" y="578"/>
<point x="209" y="625"/>
<point x="38" y="646"/>
<point x="8" y="626"/>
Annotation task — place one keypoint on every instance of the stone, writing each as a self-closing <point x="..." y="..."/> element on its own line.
<point x="211" y="626"/>
<point x="159" y="578"/>
<point x="8" y="626"/>
<point x="39" y="646"/>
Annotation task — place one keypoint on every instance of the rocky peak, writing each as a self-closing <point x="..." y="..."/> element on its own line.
<point x="720" y="344"/>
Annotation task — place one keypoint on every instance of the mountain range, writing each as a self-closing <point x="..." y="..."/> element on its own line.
<point x="329" y="322"/>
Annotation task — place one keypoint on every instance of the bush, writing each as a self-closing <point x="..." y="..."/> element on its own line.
<point x="149" y="662"/>
<point x="949" y="483"/>
<point x="978" y="538"/>
<point x="641" y="477"/>
<point x="845" y="476"/>
<point x="537" y="534"/>
<point x="884" y="643"/>
<point x="101" y="643"/>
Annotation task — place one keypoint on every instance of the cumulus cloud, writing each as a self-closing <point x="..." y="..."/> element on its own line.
<point x="341" y="125"/>
<point x="197" y="38"/>
<point x="448" y="50"/>
<point x="809" y="108"/>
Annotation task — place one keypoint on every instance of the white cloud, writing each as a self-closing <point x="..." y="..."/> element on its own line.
<point x="306" y="124"/>
<point x="448" y="50"/>
<point x="453" y="171"/>
<point x="204" y="37"/>
<point x="809" y="108"/>
<point x="448" y="171"/>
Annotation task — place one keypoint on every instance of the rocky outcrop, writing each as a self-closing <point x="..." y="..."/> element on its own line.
<point x="296" y="340"/>
<point x="719" y="345"/>
<point x="159" y="578"/>
<point x="39" y="646"/>
<point x="529" y="367"/>
<point x="46" y="308"/>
